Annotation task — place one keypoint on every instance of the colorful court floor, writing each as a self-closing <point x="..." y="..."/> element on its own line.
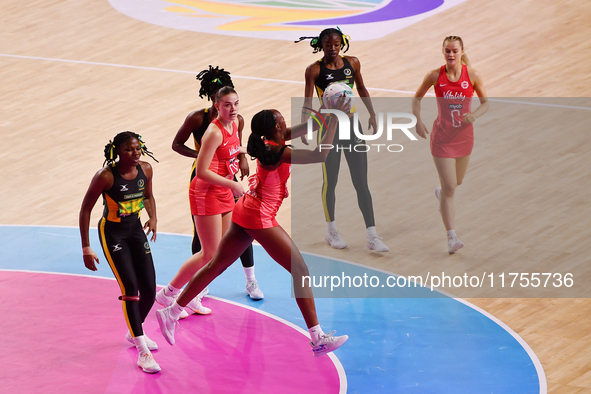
<point x="63" y="331"/>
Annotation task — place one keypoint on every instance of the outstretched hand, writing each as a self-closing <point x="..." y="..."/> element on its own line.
<point x="343" y="104"/>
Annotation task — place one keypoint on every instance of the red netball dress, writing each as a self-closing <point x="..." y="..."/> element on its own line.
<point x="209" y="199"/>
<point x="257" y="208"/>
<point x="451" y="137"/>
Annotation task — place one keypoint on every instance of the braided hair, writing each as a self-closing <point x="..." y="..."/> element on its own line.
<point x="262" y="126"/>
<point x="316" y="42"/>
<point x="111" y="148"/>
<point x="212" y="80"/>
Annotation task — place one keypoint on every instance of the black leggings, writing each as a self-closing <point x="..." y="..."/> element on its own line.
<point x="246" y="258"/>
<point x="128" y="252"/>
<point x="357" y="162"/>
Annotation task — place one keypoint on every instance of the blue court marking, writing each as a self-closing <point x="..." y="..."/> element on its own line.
<point x="396" y="345"/>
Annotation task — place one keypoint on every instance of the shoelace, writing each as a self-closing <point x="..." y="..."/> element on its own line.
<point x="328" y="337"/>
<point x="146" y="358"/>
<point x="334" y="235"/>
<point x="196" y="305"/>
<point x="195" y="301"/>
<point x="452" y="242"/>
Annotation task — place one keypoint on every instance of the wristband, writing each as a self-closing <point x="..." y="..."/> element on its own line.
<point x="86" y="250"/>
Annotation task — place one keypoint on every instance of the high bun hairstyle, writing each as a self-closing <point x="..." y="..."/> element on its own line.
<point x="262" y="127"/>
<point x="464" y="58"/>
<point x="111" y="148"/>
<point x="212" y="80"/>
<point x="316" y="42"/>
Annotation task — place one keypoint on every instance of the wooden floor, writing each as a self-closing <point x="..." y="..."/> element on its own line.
<point x="66" y="91"/>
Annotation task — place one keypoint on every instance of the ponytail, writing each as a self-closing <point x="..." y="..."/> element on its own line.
<point x="465" y="59"/>
<point x="212" y="80"/>
<point x="262" y="126"/>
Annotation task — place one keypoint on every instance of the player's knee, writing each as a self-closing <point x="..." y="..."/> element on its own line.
<point x="213" y="267"/>
<point x="361" y="187"/>
<point x="148" y="293"/>
<point x="299" y="268"/>
<point x="330" y="184"/>
<point x="448" y="190"/>
<point x="208" y="253"/>
<point x="328" y="191"/>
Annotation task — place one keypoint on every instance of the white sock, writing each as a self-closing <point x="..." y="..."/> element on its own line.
<point x="249" y="273"/>
<point x="176" y="310"/>
<point x="331" y="227"/>
<point x="315" y="333"/>
<point x="371" y="232"/>
<point x="140" y="344"/>
<point x="171" y="291"/>
<point x="451" y="234"/>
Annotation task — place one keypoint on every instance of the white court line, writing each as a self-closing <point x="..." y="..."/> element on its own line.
<point x="342" y="375"/>
<point x="138" y="67"/>
<point x="540" y="104"/>
<point x="262" y="79"/>
<point x="333" y="358"/>
<point x="60" y="235"/>
<point x="521" y="341"/>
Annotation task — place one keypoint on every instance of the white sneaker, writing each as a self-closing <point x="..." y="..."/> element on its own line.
<point x="195" y="304"/>
<point x="376" y="244"/>
<point x="252" y="289"/>
<point x="333" y="238"/>
<point x="438" y="195"/>
<point x="167" y="301"/>
<point x="147" y="363"/>
<point x="168" y="324"/>
<point x="163" y="299"/>
<point x="328" y="343"/>
<point x="150" y="343"/>
<point x="454" y="244"/>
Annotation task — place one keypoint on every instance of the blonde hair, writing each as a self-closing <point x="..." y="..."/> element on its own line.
<point x="464" y="58"/>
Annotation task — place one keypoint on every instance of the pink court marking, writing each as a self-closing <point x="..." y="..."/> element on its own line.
<point x="66" y="333"/>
